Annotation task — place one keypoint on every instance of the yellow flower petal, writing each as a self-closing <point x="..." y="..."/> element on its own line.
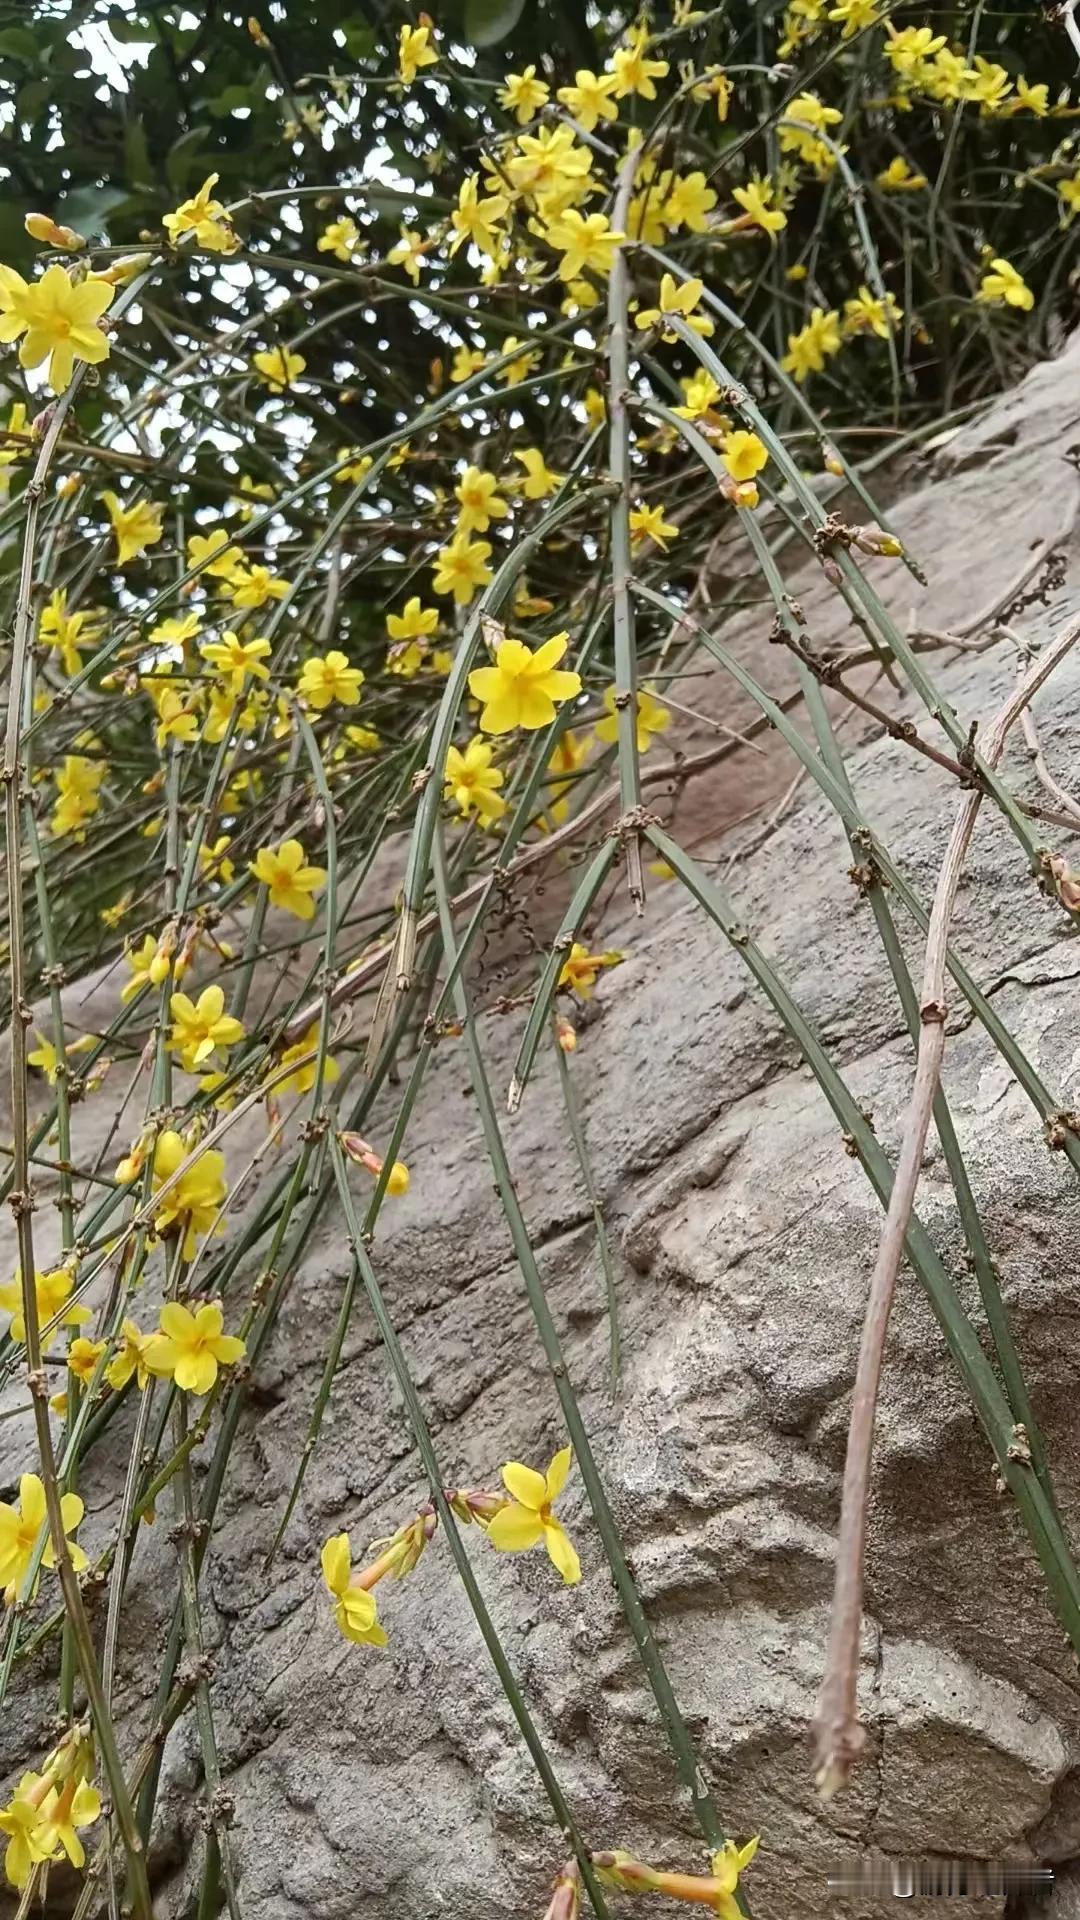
<point x="525" y="1485"/>
<point x="515" y="1528"/>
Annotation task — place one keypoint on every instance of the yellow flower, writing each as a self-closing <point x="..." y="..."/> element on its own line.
<point x="200" y="1027"/>
<point x="357" y="470"/>
<point x="466" y="361"/>
<point x="539" y="480"/>
<point x="688" y="202"/>
<point x="327" y="678"/>
<point x="249" y="491"/>
<point x="589" y="99"/>
<point x="756" y="200"/>
<point x="77" y="786"/>
<point x="213" y="863"/>
<point x="652" y="717"/>
<point x="470" y="781"/>
<point x="194" y="1202"/>
<point x="632" y="71"/>
<point x="808" y="348"/>
<point x="52" y="1291"/>
<point x="646" y="216"/>
<point x="341" y="238"/>
<point x="178" y="717"/>
<point x="898" y="177"/>
<point x="909" y="49"/>
<point x="480" y="502"/>
<point x="1031" y="99"/>
<point x="1001" y="285"/>
<point x="701" y="394"/>
<point x="205" y="218"/>
<point x="237" y="660"/>
<point x="414" y="52"/>
<point x="585" y="240"/>
<point x="20" y="1820"/>
<point x="291" y="882"/>
<point x="460" y="568"/>
<point x="136" y="527"/>
<point x="520" y="368"/>
<point x="354" y="1607"/>
<point x="648" y="523"/>
<point x="855" y="15"/>
<point x="522" y="687"/>
<point x="991" y="85"/>
<point x="112" y="916"/>
<point x="130" y="1358"/>
<point x="45" y="1055"/>
<point x="866" y="313"/>
<point x="212" y="554"/>
<point x="305" y="1050"/>
<point x="1069" y="195"/>
<point x="727" y="1864"/>
<point x="580" y="968"/>
<point x="58" y="318"/>
<point x="743" y="454"/>
<point x="408" y="252"/>
<point x="17" y="423"/>
<point x="151" y="964"/>
<point x="408" y="631"/>
<point x="550" y="166"/>
<point x="191" y="1346"/>
<point x="949" y="77"/>
<point x="68" y="633"/>
<point x="278" y="367"/>
<point x="83" y="1356"/>
<point x="365" y="1156"/>
<point x="21" y="1526"/>
<point x="529" y="1517"/>
<point x="78" y="1804"/>
<point x="254" y="586"/>
<point x="677" y="299"/>
<point x="475" y="219"/>
<point x="813" y="113"/>
<point x="362" y="739"/>
<point x="176" y="633"/>
<point x="524" y="95"/>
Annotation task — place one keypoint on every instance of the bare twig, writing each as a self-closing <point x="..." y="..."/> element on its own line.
<point x="839" y="1737"/>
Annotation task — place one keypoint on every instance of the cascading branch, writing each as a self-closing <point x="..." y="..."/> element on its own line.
<point x="350" y="499"/>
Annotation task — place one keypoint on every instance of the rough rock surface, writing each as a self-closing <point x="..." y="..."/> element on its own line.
<point x="370" y="1785"/>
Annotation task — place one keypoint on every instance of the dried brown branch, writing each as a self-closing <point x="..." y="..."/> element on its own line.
<point x="838" y="1735"/>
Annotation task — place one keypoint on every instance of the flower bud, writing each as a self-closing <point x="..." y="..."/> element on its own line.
<point x="124" y="269"/>
<point x="873" y="540"/>
<point x="566" y="1900"/>
<point x="365" y="1156"/>
<point x="40" y="227"/>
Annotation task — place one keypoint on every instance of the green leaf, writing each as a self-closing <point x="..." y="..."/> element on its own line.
<point x="129" y="32"/>
<point x="228" y="100"/>
<point x="20" y="43"/>
<point x="360" y="41"/>
<point x="186" y="158"/>
<point x="489" y="21"/>
<point x="87" y="209"/>
<point x="137" y="164"/>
